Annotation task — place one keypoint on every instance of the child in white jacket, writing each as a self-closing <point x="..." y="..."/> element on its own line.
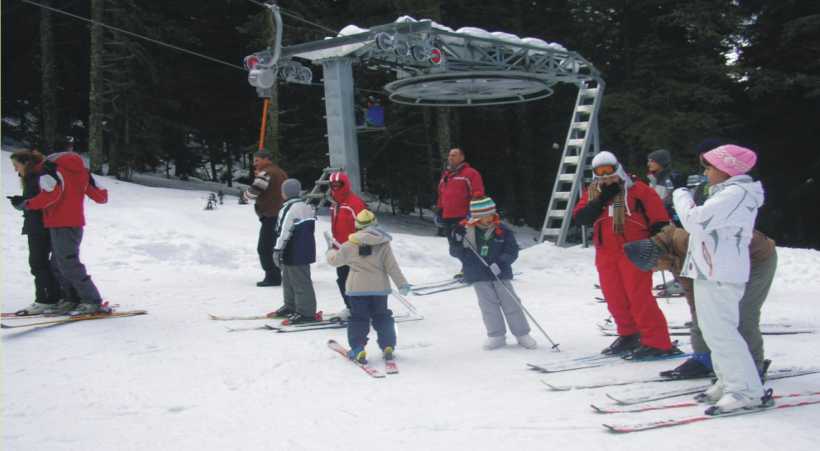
<point x="718" y="260"/>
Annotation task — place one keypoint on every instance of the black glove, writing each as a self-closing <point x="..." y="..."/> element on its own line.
<point x="91" y="180"/>
<point x="655" y="228"/>
<point x="50" y="167"/>
<point x="608" y="192"/>
<point x="17" y="202"/>
<point x="277" y="258"/>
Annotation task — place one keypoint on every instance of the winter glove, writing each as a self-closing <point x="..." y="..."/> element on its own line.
<point x="91" y="180"/>
<point x="404" y="290"/>
<point x="248" y="195"/>
<point x="277" y="258"/>
<point x="608" y="192"/>
<point x="495" y="269"/>
<point x="655" y="228"/>
<point x="457" y="237"/>
<point x="18" y="202"/>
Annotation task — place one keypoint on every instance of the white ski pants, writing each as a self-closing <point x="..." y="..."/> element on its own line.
<point x="718" y="307"/>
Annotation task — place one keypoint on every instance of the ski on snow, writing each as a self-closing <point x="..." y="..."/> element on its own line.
<point x="782" y="374"/>
<point x="271" y="315"/>
<point x="637" y="427"/>
<point x="608" y="329"/>
<point x="596" y="360"/>
<point x="649" y="408"/>
<point x="441" y="286"/>
<point x="77" y="318"/>
<point x="611" y="383"/>
<point x="373" y="372"/>
<point x="315" y="325"/>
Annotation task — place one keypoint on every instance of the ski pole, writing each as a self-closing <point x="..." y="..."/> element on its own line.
<point x="514" y="296"/>
<point x="406" y="303"/>
<point x="665" y="288"/>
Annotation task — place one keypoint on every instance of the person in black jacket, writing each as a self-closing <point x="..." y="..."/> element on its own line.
<point x="46" y="286"/>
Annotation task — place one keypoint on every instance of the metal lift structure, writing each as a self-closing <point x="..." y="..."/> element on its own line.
<point x="436" y="66"/>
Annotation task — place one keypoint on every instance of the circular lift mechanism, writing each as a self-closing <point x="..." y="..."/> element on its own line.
<point x="468" y="89"/>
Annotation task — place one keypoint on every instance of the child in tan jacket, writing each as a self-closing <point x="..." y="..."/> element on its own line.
<point x="371" y="262"/>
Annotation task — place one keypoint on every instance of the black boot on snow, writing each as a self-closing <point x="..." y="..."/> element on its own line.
<point x="690" y="369"/>
<point x="298" y="318"/>
<point x="270" y="280"/>
<point x="623" y="344"/>
<point x="650" y="353"/>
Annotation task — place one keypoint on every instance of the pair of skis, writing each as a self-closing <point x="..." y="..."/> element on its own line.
<point x="441" y="286"/>
<point x="608" y="328"/>
<point x="73" y="319"/>
<point x="390" y="366"/>
<point x="771" y="375"/>
<point x="799" y="399"/>
<point x="596" y="360"/>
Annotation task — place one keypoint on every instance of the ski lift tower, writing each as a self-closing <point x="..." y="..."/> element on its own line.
<point x="437" y="66"/>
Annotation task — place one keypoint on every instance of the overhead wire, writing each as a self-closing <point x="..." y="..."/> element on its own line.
<point x="136" y="35"/>
<point x="295" y="16"/>
<point x="176" y="47"/>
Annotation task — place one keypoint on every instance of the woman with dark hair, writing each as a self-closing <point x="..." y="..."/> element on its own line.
<point x="46" y="286"/>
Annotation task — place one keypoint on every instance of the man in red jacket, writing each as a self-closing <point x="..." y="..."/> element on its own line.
<point x="459" y="184"/>
<point x="621" y="210"/>
<point x="343" y="210"/>
<point x="64" y="183"/>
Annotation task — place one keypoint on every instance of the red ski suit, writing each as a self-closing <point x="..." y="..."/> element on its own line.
<point x="627" y="289"/>
<point x="343" y="212"/>
<point x="456" y="189"/>
<point x="63" y="190"/>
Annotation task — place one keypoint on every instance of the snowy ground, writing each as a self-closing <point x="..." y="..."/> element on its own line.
<point x="175" y="380"/>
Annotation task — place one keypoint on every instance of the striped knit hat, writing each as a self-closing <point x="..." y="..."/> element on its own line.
<point x="480" y="208"/>
<point x="365" y="218"/>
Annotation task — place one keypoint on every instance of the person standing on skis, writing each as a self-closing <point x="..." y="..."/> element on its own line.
<point x="621" y="210"/>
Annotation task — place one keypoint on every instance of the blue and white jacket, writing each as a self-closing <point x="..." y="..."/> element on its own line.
<point x="295" y="226"/>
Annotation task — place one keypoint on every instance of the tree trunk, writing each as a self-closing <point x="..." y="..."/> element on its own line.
<point x="48" y="76"/>
<point x="228" y="162"/>
<point x="443" y="131"/>
<point x="432" y="163"/>
<point x="95" y="93"/>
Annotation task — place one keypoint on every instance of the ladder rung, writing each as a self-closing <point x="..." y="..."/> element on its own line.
<point x="566" y="177"/>
<point x="322" y="182"/>
<point x="589" y="92"/>
<point x="571" y="159"/>
<point x="584" y="108"/>
<point x="557" y="213"/>
<point x="580" y="125"/>
<point x="577" y="142"/>
<point x="551" y="232"/>
<point x="561" y="195"/>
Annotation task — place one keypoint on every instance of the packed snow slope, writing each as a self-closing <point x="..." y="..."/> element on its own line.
<point x="176" y="380"/>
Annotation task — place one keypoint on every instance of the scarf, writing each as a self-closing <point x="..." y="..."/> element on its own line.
<point x="475" y="236"/>
<point x="618" y="206"/>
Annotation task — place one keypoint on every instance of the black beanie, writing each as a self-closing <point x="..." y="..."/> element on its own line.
<point x="660" y="156"/>
<point x="643" y="253"/>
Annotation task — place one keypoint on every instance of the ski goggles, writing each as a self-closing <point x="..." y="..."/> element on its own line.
<point x="605" y="170"/>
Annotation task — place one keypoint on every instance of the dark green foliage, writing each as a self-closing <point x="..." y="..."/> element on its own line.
<point x="664" y="62"/>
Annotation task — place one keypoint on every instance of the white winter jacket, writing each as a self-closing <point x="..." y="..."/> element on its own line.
<point x="720" y="230"/>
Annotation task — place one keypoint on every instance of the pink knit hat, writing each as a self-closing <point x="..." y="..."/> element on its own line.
<point x="731" y="159"/>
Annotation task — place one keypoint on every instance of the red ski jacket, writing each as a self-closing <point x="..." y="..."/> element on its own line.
<point x="343" y="212"/>
<point x="456" y="189"/>
<point x="644" y="208"/>
<point x="64" y="183"/>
